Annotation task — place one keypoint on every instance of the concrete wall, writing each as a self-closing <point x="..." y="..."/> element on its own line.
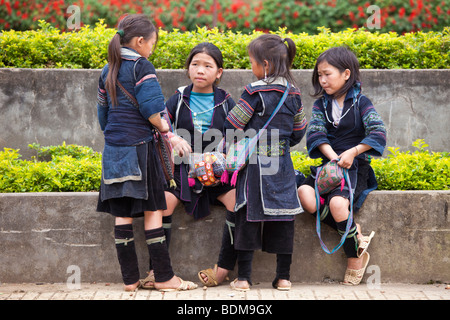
<point x="49" y="106"/>
<point x="42" y="234"/>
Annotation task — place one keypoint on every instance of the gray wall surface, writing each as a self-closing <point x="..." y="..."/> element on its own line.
<point x="42" y="234"/>
<point x="49" y="106"/>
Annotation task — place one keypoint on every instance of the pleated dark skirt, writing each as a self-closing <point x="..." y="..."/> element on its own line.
<point x="129" y="207"/>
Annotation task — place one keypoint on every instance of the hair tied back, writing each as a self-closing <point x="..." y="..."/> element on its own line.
<point x="121" y="33"/>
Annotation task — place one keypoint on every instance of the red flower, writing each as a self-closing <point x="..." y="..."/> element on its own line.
<point x="401" y="12"/>
<point x="352" y="16"/>
<point x="296" y="14"/>
<point x="8" y="8"/>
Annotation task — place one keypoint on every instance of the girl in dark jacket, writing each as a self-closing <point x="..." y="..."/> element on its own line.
<point x="266" y="193"/>
<point x="345" y="126"/>
<point x="133" y="182"/>
<point x="197" y="113"/>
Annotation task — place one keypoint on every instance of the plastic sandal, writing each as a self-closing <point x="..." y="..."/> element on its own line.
<point x="353" y="277"/>
<point x="233" y="286"/>
<point x="284" y="288"/>
<point x="363" y="243"/>
<point x="150" y="278"/>
<point x="184" y="286"/>
<point x="211" y="274"/>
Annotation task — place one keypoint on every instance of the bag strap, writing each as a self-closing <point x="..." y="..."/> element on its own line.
<point x="128" y="95"/>
<point x="350" y="216"/>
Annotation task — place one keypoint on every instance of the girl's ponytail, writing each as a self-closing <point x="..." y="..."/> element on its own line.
<point x="133" y="25"/>
<point x="114" y="62"/>
<point x="280" y="53"/>
<point x="292" y="50"/>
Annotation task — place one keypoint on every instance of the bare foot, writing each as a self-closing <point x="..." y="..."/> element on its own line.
<point x="283" y="284"/>
<point x="131" y="287"/>
<point x="221" y="275"/>
<point x="175" y="284"/>
<point x="240" y="285"/>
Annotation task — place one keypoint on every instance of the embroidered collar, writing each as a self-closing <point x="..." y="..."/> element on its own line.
<point x="129" y="54"/>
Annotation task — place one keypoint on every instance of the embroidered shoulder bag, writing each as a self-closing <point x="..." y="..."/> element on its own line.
<point x="329" y="177"/>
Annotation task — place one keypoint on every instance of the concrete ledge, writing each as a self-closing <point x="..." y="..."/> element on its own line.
<point x="42" y="234"/>
<point x="56" y="105"/>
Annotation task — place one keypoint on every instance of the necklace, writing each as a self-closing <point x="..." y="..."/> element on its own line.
<point x="196" y="123"/>
<point x="335" y="123"/>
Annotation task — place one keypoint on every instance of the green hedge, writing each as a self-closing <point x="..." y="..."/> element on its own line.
<point x="50" y="48"/>
<point x="54" y="169"/>
<point x="76" y="168"/>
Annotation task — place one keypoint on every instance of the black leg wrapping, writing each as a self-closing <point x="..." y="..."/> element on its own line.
<point x="126" y="253"/>
<point x="283" y="268"/>
<point x="167" y="226"/>
<point x="351" y="243"/>
<point x="157" y="248"/>
<point x="327" y="218"/>
<point x="227" y="255"/>
<point x="245" y="259"/>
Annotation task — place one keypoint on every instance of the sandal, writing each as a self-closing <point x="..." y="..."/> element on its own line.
<point x="353" y="277"/>
<point x="233" y="286"/>
<point x="150" y="278"/>
<point x="281" y="288"/>
<point x="363" y="243"/>
<point x="212" y="277"/>
<point x="184" y="286"/>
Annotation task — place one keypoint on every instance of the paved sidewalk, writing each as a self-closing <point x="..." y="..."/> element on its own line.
<point x="261" y="291"/>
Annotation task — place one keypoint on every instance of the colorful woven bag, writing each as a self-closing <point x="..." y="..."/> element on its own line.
<point x="329" y="177"/>
<point x="207" y="168"/>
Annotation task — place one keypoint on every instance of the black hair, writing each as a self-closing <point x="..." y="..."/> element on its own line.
<point x="280" y="54"/>
<point x="341" y="58"/>
<point x="209" y="49"/>
<point x="133" y="25"/>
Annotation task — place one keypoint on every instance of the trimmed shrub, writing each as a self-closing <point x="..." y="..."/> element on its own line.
<point x="48" y="47"/>
<point x="78" y="168"/>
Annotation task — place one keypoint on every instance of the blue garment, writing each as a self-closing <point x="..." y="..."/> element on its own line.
<point x="127" y="128"/>
<point x="125" y="124"/>
<point x="120" y="164"/>
<point x="202" y="106"/>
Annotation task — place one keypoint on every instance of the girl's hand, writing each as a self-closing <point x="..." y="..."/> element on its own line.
<point x="347" y="157"/>
<point x="159" y="123"/>
<point x="180" y="146"/>
<point x="164" y="126"/>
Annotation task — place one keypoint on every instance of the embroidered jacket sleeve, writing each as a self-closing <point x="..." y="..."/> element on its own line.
<point x="300" y="123"/>
<point x="241" y="114"/>
<point x="102" y="102"/>
<point x="375" y="130"/>
<point x="148" y="91"/>
<point x="317" y="132"/>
